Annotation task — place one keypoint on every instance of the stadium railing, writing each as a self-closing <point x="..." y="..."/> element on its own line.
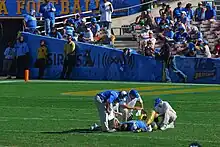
<point x="59" y="20"/>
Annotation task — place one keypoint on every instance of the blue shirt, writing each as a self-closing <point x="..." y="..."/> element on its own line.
<point x="94" y="28"/>
<point x="178" y="37"/>
<point x="109" y="96"/>
<point x="177" y="12"/>
<point x="57" y="35"/>
<point x="136" y="125"/>
<point x="189" y="13"/>
<point x="46" y="10"/>
<point x="199" y="14"/>
<point x="209" y="14"/>
<point x="31" y="21"/>
<point x="21" y="48"/>
<point x="69" y="30"/>
<point x="169" y="34"/>
<point x="9" y="53"/>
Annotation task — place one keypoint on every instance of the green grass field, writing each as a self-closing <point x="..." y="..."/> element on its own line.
<point x="55" y="114"/>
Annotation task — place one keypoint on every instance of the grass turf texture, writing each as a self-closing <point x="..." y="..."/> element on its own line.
<point x="55" y="114"/>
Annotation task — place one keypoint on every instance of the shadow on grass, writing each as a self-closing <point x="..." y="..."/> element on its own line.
<point x="74" y="131"/>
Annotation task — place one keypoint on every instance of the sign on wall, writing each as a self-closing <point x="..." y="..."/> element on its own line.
<point x="100" y="63"/>
<point x="21" y="7"/>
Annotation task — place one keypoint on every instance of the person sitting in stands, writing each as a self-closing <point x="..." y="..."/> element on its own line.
<point x="69" y="30"/>
<point x="210" y="13"/>
<point x="55" y="34"/>
<point x="95" y="27"/>
<point x="88" y="35"/>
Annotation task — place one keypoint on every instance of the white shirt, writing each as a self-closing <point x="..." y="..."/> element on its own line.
<point x="106" y="12"/>
<point x="164" y="108"/>
<point x="153" y="40"/>
<point x="207" y="52"/>
<point x="89" y="35"/>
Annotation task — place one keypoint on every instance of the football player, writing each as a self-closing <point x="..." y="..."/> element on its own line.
<point x="164" y="110"/>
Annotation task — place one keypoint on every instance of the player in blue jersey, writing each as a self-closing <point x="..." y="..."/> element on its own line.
<point x="104" y="102"/>
<point x="135" y="126"/>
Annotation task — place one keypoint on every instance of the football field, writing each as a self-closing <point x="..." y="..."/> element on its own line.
<point x="59" y="113"/>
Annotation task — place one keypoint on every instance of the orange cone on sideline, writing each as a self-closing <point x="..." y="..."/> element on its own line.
<point x="26" y="75"/>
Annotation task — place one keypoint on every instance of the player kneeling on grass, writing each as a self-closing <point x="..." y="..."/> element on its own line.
<point x="104" y="102"/>
<point x="128" y="104"/>
<point x="164" y="110"/>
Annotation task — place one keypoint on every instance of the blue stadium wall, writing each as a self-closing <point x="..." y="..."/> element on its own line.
<point x="101" y="63"/>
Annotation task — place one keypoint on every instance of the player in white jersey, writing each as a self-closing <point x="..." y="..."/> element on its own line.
<point x="164" y="109"/>
<point x="127" y="105"/>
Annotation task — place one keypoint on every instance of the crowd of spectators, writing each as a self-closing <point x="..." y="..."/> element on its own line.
<point x="174" y="27"/>
<point x="177" y="28"/>
<point x="76" y="26"/>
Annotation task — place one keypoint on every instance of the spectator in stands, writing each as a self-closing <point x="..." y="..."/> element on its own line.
<point x="163" y="22"/>
<point x="22" y="55"/>
<point x="152" y="39"/>
<point x="162" y="10"/>
<point x="194" y="34"/>
<point x="141" y="18"/>
<point x="88" y="36"/>
<point x="210" y="13"/>
<point x="185" y="20"/>
<point x="178" y="25"/>
<point x="144" y="34"/>
<point x="189" y="11"/>
<point x="47" y="10"/>
<point x="181" y="36"/>
<point x="169" y="12"/>
<point x="69" y="30"/>
<point x="69" y="58"/>
<point x="166" y="56"/>
<point x="8" y="60"/>
<point x="41" y="58"/>
<point x="191" y="50"/>
<point x="167" y="34"/>
<point x="217" y="49"/>
<point x="94" y="26"/>
<point x="177" y="11"/>
<point x="203" y="48"/>
<point x="30" y="22"/>
<point x="149" y="19"/>
<point x="148" y="48"/>
<point x="82" y="26"/>
<point x="105" y="38"/>
<point x="55" y="33"/>
<point x="199" y="14"/>
<point x="106" y="10"/>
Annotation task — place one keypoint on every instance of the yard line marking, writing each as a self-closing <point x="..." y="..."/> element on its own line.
<point x="120" y="135"/>
<point x="107" y="82"/>
<point x="91" y="120"/>
<point x="94" y="92"/>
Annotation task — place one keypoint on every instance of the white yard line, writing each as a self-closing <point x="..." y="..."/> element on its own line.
<point x="107" y="82"/>
<point x="147" y="136"/>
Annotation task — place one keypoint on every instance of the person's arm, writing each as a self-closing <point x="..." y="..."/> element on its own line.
<point x="53" y="9"/>
<point x="59" y="35"/>
<point x="111" y="7"/>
